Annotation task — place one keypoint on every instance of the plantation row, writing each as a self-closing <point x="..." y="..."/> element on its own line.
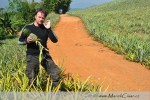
<point x="12" y="71"/>
<point x="123" y="26"/>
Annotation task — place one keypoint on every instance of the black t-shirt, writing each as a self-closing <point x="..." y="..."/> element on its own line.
<point x="42" y="33"/>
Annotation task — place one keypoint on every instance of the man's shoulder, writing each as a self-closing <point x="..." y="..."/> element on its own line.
<point x="28" y="25"/>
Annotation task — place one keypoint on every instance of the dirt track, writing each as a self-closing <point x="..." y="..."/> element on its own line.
<point x="86" y="57"/>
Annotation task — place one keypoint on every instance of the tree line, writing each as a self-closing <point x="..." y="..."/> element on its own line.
<point x="21" y="12"/>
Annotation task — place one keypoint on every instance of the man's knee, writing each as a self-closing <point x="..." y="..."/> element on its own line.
<point x="32" y="67"/>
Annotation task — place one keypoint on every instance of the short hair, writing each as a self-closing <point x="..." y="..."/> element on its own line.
<point x="42" y="11"/>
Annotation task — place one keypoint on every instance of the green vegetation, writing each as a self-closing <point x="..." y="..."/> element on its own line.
<point x="6" y="24"/>
<point x="122" y="25"/>
<point x="56" y="5"/>
<point x="63" y="5"/>
<point x="21" y="12"/>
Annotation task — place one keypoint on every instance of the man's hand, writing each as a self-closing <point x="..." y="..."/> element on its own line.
<point x="29" y="39"/>
<point x="47" y="24"/>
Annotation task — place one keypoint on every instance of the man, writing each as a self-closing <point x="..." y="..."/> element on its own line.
<point x="43" y="32"/>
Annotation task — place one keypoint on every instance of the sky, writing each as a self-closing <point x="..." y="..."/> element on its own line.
<point x="75" y="4"/>
<point x="86" y="3"/>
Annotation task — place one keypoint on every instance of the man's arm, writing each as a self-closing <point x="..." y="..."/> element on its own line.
<point x="52" y="36"/>
<point x="22" y="39"/>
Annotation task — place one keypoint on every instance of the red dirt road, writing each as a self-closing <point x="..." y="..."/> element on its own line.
<point x="86" y="57"/>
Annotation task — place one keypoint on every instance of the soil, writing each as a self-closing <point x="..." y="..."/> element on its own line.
<point x="82" y="56"/>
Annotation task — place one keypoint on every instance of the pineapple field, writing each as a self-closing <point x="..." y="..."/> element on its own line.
<point x="103" y="48"/>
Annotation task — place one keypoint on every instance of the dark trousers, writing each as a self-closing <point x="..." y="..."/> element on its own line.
<point x="51" y="68"/>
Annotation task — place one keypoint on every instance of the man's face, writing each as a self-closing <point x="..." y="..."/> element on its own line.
<point x="39" y="18"/>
